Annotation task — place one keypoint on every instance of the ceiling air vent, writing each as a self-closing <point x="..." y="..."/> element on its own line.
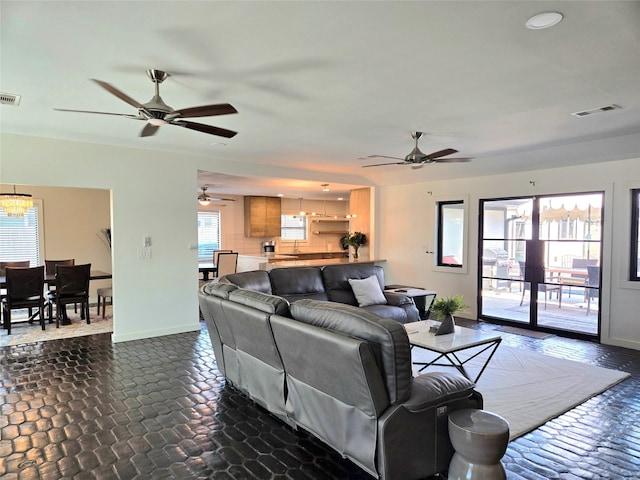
<point x="9" y="99"/>
<point x="585" y="113"/>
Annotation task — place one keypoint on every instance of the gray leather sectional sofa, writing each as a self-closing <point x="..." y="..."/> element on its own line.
<point x="339" y="372"/>
<point x="329" y="283"/>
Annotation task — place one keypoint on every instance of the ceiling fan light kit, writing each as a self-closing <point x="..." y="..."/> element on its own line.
<point x="157" y="113"/>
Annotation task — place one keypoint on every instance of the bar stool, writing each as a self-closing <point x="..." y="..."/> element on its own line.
<point x="104" y="293"/>
<point x="480" y="439"/>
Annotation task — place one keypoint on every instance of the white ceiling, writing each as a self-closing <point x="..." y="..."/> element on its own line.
<point x="320" y="84"/>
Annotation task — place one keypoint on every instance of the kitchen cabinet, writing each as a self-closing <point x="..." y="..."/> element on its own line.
<point x="262" y="216"/>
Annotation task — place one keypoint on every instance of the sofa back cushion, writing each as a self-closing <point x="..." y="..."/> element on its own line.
<point x="256" y="280"/>
<point x="336" y="280"/>
<point x="297" y="283"/>
<point x="264" y="302"/>
<point x="388" y="339"/>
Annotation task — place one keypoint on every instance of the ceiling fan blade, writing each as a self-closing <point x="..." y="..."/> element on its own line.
<point x="121" y="95"/>
<point x="221" y="132"/>
<point x="205" y="111"/>
<point x="383" y="164"/>
<point x="381" y="156"/>
<point x="219" y="199"/>
<point x="441" y="153"/>
<point x="449" y="160"/>
<point x="100" y="113"/>
<point x="149" y="130"/>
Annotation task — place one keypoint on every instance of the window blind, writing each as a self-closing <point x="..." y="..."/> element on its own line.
<point x="20" y="237"/>
<point x="293" y="227"/>
<point x="208" y="235"/>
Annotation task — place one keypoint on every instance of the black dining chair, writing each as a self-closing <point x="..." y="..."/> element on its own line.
<point x="546" y="288"/>
<point x="592" y="289"/>
<point x="3" y="272"/>
<point x="72" y="286"/>
<point x="25" y="289"/>
<point x="50" y="271"/>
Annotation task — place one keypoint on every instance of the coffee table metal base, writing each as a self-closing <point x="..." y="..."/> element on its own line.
<point x="455" y="361"/>
<point x="454" y="349"/>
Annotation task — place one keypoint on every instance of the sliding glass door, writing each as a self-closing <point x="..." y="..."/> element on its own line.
<point x="547" y="249"/>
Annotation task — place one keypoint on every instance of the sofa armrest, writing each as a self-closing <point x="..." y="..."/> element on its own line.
<point x="437" y="388"/>
<point x="397" y="299"/>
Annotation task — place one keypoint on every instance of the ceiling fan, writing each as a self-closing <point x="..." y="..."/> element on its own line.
<point x="417" y="159"/>
<point x="157" y="113"/>
<point x="206" y="199"/>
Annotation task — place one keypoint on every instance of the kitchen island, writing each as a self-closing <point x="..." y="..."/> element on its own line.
<point x="314" y="263"/>
<point x="247" y="263"/>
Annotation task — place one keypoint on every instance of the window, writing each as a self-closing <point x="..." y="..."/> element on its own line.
<point x="635" y="236"/>
<point x="293" y="227"/>
<point x="20" y="238"/>
<point x="450" y="233"/>
<point x="208" y="235"/>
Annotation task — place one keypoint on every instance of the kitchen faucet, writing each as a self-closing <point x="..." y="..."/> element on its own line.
<point x="295" y="246"/>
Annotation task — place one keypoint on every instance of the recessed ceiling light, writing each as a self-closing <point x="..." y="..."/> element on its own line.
<point x="544" y="20"/>
<point x="218" y="144"/>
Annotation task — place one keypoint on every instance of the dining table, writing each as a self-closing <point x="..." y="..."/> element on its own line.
<point x="206" y="268"/>
<point x="567" y="275"/>
<point x="51" y="279"/>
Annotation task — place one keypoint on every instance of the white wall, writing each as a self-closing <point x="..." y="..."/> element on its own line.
<point x="152" y="195"/>
<point x="405" y="230"/>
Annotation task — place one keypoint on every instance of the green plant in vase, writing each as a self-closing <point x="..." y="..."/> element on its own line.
<point x="356" y="240"/>
<point x="443" y="309"/>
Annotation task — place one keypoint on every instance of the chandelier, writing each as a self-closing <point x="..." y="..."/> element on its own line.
<point x="15" y="205"/>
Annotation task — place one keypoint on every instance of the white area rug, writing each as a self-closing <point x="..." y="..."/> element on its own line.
<point x="528" y="388"/>
<point x="23" y="332"/>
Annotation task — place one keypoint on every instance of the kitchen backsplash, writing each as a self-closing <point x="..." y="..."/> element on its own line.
<point x="253" y="246"/>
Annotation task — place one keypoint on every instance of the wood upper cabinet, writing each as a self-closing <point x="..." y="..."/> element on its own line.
<point x="262" y="216"/>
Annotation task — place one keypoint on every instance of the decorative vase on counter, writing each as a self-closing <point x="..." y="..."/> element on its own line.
<point x="355" y="252"/>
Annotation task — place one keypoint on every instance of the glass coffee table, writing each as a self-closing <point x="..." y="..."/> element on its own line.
<point x="457" y="348"/>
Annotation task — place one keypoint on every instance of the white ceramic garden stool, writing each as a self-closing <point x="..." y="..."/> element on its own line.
<point x="480" y="439"/>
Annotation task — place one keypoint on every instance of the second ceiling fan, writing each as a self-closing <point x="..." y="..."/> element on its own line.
<point x="416" y="158"/>
<point x="205" y="199"/>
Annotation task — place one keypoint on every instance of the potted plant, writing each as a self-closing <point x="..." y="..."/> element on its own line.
<point x="443" y="309"/>
<point x="356" y="240"/>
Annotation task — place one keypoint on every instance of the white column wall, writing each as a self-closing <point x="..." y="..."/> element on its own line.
<point x="152" y="195"/>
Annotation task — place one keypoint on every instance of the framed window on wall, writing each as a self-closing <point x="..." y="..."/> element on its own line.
<point x="22" y="238"/>
<point x="208" y="235"/>
<point x="450" y="234"/>
<point x="294" y="228"/>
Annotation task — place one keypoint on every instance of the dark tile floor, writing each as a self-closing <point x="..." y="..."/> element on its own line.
<point x="85" y="408"/>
